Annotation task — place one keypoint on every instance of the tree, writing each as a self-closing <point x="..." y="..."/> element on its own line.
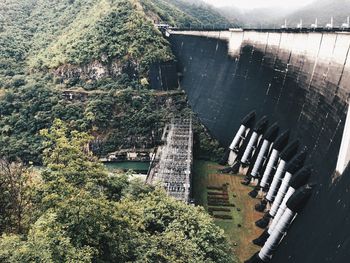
<point x="70" y="164"/>
<point x="173" y="231"/>
<point x="15" y="196"/>
<point x="46" y="242"/>
<point x="67" y="157"/>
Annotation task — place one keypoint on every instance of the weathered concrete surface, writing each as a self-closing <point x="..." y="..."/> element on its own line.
<point x="300" y="80"/>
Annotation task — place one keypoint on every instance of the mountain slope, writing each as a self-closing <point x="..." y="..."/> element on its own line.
<point x="51" y="46"/>
<point x="183" y="13"/>
<point x="103" y="33"/>
<point x="273" y="18"/>
<point x="255" y="18"/>
<point x="54" y="33"/>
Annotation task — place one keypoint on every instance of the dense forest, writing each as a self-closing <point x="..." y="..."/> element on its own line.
<point x="74" y="85"/>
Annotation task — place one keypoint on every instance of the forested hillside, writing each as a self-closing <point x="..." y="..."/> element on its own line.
<point x="49" y="34"/>
<point x="99" y="50"/>
<point x="182" y="13"/>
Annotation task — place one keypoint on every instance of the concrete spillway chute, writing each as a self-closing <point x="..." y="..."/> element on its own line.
<point x="344" y="151"/>
<point x="172" y="164"/>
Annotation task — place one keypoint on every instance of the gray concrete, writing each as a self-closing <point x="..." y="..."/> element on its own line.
<point x="318" y="60"/>
<point x="172" y="165"/>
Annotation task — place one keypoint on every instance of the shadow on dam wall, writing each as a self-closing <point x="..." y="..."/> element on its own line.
<point x="304" y="92"/>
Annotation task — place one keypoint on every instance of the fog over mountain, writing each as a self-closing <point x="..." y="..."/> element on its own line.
<point x="256" y="18"/>
<point x="258" y="4"/>
<point x="323" y="10"/>
<point x="253" y="14"/>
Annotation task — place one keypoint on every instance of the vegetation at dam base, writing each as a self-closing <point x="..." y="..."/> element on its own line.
<point x="240" y="229"/>
<point x="74" y="211"/>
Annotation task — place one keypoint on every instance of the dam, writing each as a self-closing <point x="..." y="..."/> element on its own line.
<point x="302" y="82"/>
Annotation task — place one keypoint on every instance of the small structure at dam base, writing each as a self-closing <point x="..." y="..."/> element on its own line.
<point x="172" y="164"/>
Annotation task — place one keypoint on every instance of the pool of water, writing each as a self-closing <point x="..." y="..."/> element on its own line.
<point x="136" y="166"/>
<point x="125" y="166"/>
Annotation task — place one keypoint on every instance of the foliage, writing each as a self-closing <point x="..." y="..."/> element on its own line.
<point x="67" y="155"/>
<point x="47" y="241"/>
<point x="43" y="35"/>
<point x="27" y="110"/>
<point x="123" y="119"/>
<point x="205" y="147"/>
<point x="24" y="112"/>
<point x="173" y="231"/>
<point x="74" y="211"/>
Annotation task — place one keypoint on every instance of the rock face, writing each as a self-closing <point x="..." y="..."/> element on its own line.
<point x="95" y="70"/>
<point x="162" y="75"/>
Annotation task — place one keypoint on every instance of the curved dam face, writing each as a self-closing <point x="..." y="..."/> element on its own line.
<point x="300" y="80"/>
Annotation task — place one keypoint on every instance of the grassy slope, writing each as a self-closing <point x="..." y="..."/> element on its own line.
<point x="41" y="35"/>
<point x="206" y="174"/>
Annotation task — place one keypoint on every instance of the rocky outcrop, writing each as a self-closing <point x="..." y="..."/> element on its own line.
<point x="95" y="70"/>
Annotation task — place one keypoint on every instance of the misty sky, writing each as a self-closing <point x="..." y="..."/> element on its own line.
<point x="250" y="4"/>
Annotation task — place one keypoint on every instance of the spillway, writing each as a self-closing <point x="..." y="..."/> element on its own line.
<point x="301" y="81"/>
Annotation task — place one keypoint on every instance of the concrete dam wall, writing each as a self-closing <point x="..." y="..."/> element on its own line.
<point x="300" y="80"/>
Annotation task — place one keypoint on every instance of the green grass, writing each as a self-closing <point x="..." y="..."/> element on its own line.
<point x="201" y="172"/>
<point x="206" y="174"/>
